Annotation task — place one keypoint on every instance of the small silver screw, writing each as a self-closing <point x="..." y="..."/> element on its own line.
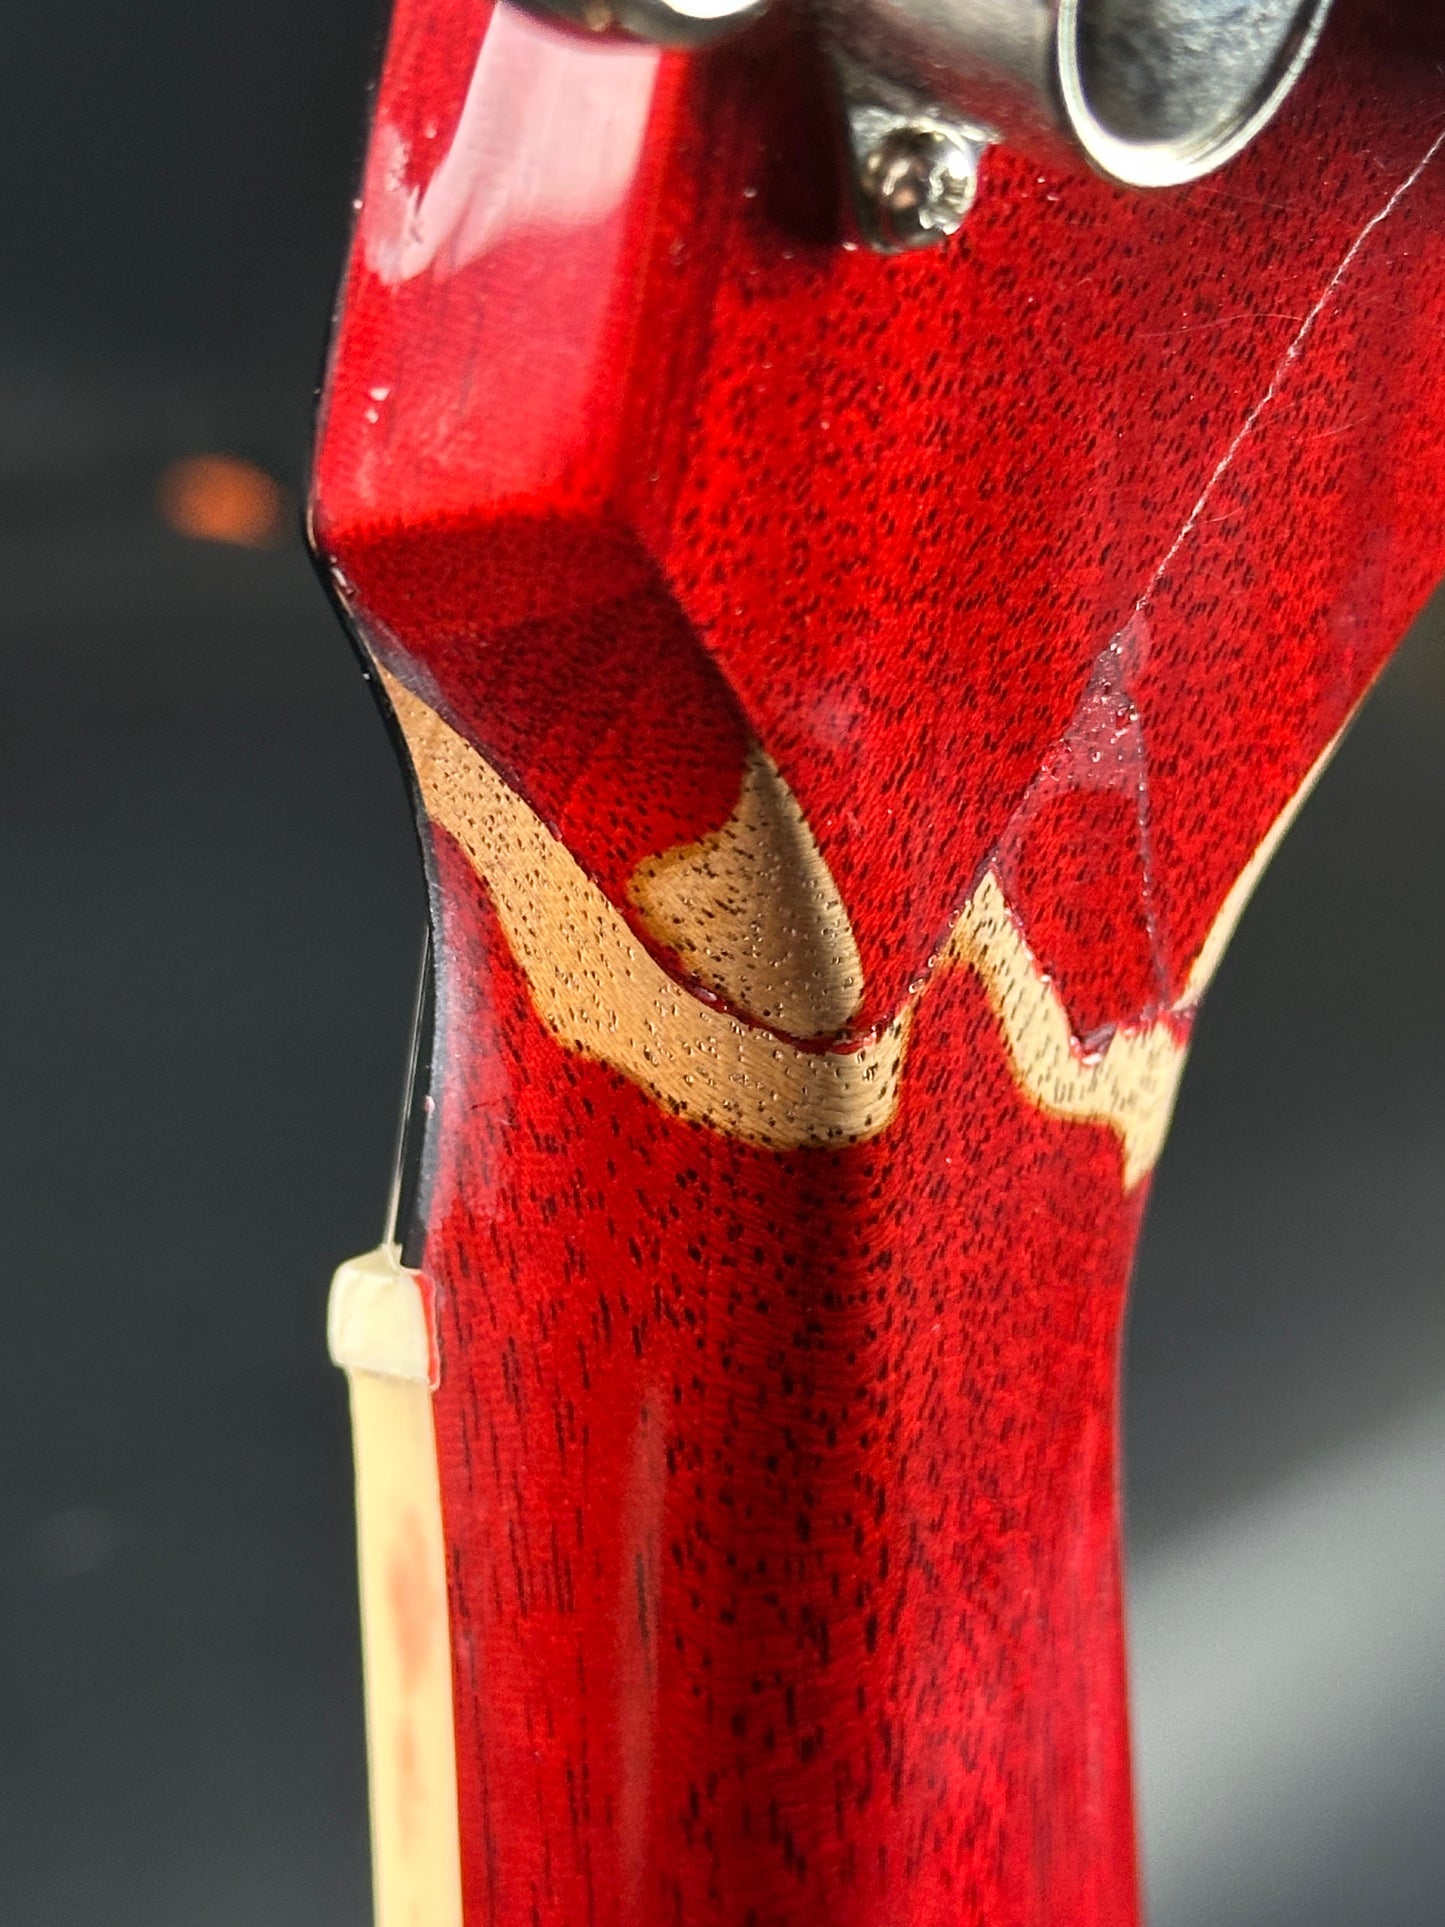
<point x="917" y="181"/>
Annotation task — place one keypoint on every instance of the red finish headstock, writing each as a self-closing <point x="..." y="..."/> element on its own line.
<point x="848" y="697"/>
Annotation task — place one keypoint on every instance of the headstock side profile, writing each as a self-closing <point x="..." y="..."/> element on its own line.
<point x="849" y="696"/>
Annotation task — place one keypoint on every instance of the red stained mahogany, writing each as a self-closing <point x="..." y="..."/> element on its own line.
<point x="780" y="1487"/>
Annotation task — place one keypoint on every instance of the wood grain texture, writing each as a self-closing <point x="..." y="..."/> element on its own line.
<point x="752" y="912"/>
<point x="600" y="994"/>
<point x="992" y="605"/>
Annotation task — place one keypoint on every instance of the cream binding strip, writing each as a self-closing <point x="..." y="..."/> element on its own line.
<point x="601" y="994"/>
<point x="377" y="1331"/>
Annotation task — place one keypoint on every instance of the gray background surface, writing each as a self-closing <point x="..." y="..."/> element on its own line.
<point x="211" y="914"/>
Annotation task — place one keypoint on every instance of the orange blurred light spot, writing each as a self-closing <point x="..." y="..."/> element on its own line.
<point x="220" y="498"/>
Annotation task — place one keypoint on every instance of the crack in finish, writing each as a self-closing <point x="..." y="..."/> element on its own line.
<point x="1291" y="355"/>
<point x="602" y="995"/>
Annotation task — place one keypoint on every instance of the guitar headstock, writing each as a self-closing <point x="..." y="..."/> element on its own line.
<point x="851" y="694"/>
<point x="1068" y="545"/>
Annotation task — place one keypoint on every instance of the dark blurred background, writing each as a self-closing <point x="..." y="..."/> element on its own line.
<point x="212" y="913"/>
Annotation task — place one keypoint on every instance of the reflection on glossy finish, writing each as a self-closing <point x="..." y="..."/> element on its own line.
<point x="538" y="148"/>
<point x="778" y="1472"/>
<point x="500" y="215"/>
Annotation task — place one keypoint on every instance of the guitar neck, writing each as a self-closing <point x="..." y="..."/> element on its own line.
<point x="849" y="699"/>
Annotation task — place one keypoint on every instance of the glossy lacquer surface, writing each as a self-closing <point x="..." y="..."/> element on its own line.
<point x="845" y="695"/>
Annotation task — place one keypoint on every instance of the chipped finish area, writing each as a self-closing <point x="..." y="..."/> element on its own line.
<point x="850" y="701"/>
<point x="752" y="912"/>
<point x="377" y="1322"/>
<point x="598" y="994"/>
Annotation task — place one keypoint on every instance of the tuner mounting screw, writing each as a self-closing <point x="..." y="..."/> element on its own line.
<point x="916" y="179"/>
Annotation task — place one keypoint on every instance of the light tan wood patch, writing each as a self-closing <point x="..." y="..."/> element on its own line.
<point x="601" y="994"/>
<point x="753" y="912"/>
